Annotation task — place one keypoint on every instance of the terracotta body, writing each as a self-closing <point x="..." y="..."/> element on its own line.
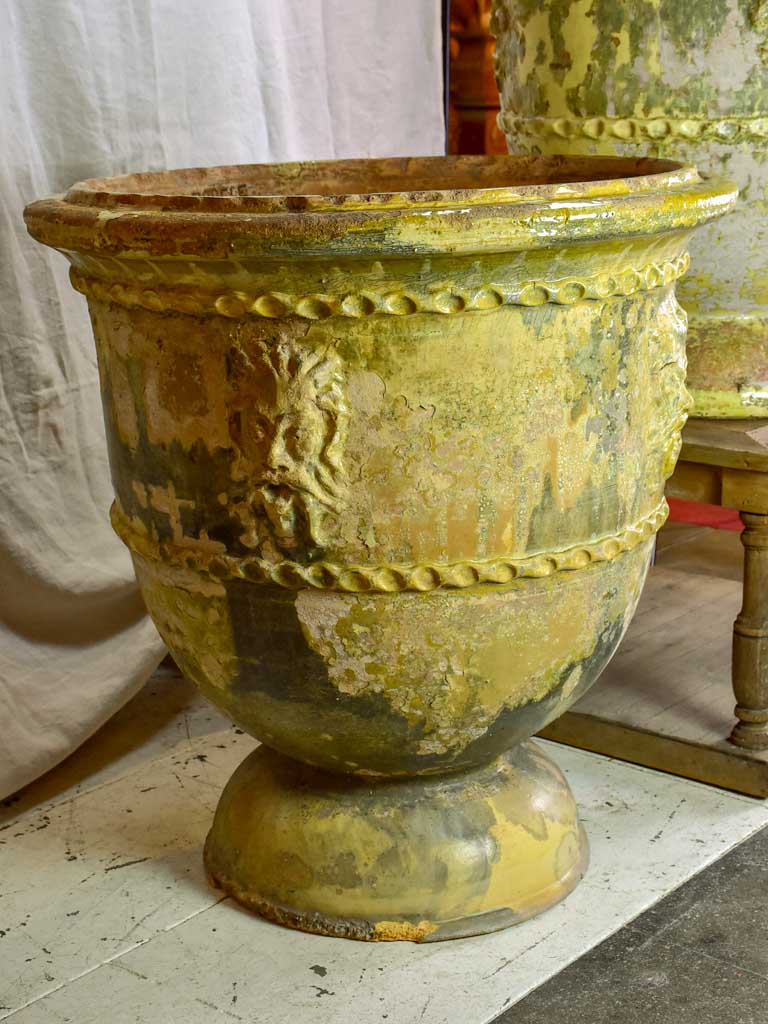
<point x="687" y="81"/>
<point x="390" y="466"/>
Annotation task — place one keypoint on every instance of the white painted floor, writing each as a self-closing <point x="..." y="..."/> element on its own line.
<point x="105" y="915"/>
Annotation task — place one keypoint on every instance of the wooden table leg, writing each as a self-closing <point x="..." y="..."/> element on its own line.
<point x="750" y="639"/>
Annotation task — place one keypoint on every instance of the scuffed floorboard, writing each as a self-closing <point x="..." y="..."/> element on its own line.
<point x="105" y="914"/>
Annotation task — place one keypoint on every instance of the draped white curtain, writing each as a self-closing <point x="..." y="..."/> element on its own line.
<point x="94" y="87"/>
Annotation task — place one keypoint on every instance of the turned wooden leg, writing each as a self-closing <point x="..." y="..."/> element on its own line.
<point x="750" y="639"/>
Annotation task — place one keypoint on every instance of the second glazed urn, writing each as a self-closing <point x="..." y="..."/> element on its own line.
<point x="680" y="79"/>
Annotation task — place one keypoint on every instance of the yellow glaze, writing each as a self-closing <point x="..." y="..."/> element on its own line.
<point x="389" y="442"/>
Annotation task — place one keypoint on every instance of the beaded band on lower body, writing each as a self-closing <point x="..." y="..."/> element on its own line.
<point x="385" y="579"/>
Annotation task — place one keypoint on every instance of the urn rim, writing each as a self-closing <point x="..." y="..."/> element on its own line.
<point x="371" y="183"/>
<point x="398" y="206"/>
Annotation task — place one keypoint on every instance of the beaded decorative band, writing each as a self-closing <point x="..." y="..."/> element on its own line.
<point x="726" y="130"/>
<point x="387" y="579"/>
<point x="446" y="299"/>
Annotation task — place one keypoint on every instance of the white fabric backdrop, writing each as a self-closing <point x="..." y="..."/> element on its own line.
<point x="92" y="87"/>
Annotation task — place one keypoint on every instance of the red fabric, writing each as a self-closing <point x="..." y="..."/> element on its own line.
<point x="698" y="514"/>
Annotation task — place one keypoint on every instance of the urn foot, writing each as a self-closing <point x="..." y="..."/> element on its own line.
<point x="426" y="858"/>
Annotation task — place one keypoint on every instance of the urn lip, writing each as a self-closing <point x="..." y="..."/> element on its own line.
<point x="396" y="205"/>
<point x="372" y="184"/>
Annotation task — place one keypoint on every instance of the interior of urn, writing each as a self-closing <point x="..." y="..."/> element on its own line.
<point x="340" y="178"/>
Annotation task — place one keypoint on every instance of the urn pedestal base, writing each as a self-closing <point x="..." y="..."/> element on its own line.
<point x="426" y="858"/>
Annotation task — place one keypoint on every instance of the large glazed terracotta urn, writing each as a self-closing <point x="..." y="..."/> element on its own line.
<point x="683" y="79"/>
<point x="389" y="442"/>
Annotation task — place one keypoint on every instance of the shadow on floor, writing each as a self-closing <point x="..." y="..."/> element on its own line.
<point x="700" y="956"/>
<point x="153" y="710"/>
